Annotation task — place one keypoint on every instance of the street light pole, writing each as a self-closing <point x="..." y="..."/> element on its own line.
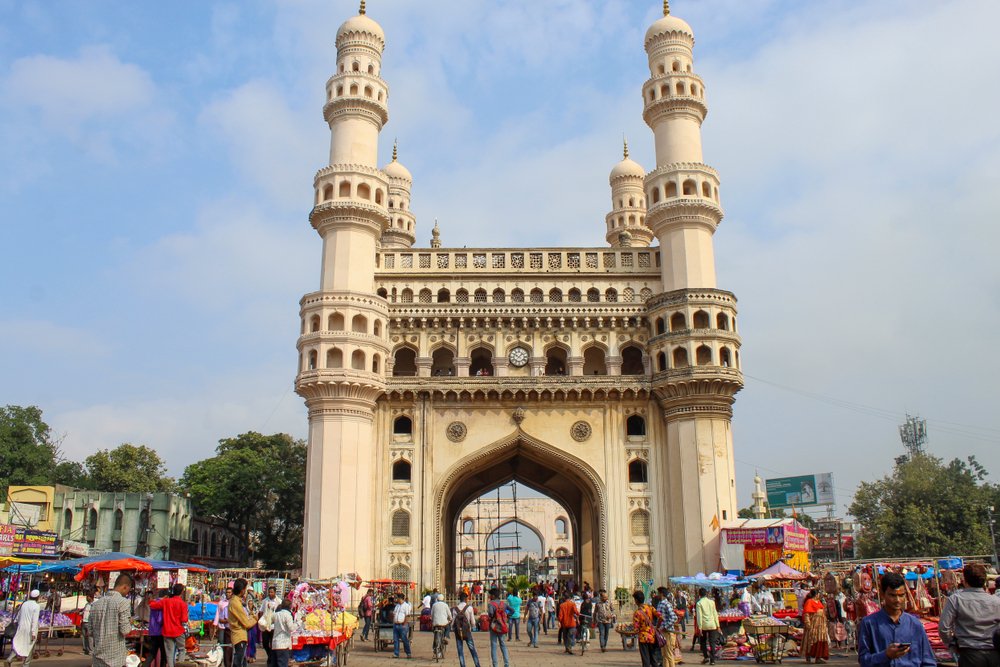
<point x="993" y="537"/>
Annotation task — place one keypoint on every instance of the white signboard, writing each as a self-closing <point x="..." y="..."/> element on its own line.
<point x="24" y="514"/>
<point x="182" y="577"/>
<point x="162" y="579"/>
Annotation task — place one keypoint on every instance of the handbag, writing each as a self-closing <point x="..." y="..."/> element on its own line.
<point x="10" y="630"/>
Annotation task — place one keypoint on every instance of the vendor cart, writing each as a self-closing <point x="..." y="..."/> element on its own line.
<point x="767" y="636"/>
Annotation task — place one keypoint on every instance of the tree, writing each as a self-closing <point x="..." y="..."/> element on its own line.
<point x="28" y="454"/>
<point x="926" y="507"/>
<point x="256" y="483"/>
<point x="128" y="467"/>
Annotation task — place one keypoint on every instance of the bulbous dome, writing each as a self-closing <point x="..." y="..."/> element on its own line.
<point x="361" y="23"/>
<point x="627" y="167"/>
<point x="669" y="23"/>
<point x="396" y="170"/>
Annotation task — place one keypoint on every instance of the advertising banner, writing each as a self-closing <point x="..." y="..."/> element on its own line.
<point x="29" y="542"/>
<point x="74" y="548"/>
<point x="7" y="533"/>
<point x="800" y="491"/>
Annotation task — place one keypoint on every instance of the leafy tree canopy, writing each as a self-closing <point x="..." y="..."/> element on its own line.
<point x="125" y="468"/>
<point x="28" y="453"/>
<point x="926" y="508"/>
<point x="255" y="482"/>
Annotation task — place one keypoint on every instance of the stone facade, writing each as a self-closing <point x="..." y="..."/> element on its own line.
<point x="602" y="377"/>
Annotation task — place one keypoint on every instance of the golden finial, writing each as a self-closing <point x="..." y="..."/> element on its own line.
<point x="395" y="149"/>
<point x="625" y="141"/>
<point x="362" y="9"/>
<point x="666" y="7"/>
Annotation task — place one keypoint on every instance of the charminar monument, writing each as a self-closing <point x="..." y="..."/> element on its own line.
<point x="601" y="377"/>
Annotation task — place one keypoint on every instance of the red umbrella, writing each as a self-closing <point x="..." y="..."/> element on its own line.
<point x="116" y="565"/>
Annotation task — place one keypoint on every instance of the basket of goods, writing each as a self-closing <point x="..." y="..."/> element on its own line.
<point x="626" y="629"/>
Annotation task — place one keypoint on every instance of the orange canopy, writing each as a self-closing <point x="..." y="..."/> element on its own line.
<point x="116" y="565"/>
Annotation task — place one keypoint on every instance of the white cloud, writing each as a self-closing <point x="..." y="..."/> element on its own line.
<point x="185" y="428"/>
<point x="95" y="100"/>
<point x="264" y="137"/>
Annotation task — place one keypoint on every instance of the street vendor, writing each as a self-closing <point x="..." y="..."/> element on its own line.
<point x="239" y="623"/>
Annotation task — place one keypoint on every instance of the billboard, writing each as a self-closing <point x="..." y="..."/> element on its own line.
<point x="29" y="542"/>
<point x="7" y="532"/>
<point x="800" y="491"/>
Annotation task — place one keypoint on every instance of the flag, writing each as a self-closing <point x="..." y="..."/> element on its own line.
<point x="715" y="523"/>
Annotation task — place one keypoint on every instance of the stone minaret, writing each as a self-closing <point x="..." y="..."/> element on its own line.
<point x="627" y="218"/>
<point x="694" y="344"/>
<point x="401" y="232"/>
<point x="343" y="344"/>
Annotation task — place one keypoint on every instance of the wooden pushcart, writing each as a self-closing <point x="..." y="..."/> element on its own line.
<point x="767" y="636"/>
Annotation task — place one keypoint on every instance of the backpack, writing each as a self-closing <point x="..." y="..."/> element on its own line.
<point x="461" y="625"/>
<point x="498" y="617"/>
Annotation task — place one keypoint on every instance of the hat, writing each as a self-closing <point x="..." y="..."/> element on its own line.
<point x="34" y="594"/>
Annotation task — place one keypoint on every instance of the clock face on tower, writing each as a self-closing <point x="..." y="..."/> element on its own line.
<point x="518" y="357"/>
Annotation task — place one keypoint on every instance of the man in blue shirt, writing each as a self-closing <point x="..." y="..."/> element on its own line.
<point x="513" y="616"/>
<point x="891" y="636"/>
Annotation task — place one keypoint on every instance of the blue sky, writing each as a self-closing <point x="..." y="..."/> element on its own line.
<point x="156" y="173"/>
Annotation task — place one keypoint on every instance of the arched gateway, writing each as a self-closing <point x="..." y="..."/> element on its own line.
<point x="603" y="377"/>
<point x="537" y="465"/>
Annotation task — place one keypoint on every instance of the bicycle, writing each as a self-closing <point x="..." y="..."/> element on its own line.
<point x="584" y="637"/>
<point x="439" y="644"/>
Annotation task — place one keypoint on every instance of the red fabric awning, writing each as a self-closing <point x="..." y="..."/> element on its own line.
<point x="116" y="565"/>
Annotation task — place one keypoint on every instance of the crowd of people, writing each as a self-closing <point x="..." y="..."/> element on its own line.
<point x="652" y="626"/>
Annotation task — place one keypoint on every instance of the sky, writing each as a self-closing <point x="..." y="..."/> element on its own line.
<point x="156" y="177"/>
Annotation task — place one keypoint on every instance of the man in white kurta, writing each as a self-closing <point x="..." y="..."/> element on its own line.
<point x="27" y="630"/>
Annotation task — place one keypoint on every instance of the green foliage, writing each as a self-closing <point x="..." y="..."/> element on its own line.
<point x="128" y="467"/>
<point x="925" y="508"/>
<point x="257" y="483"/>
<point x="518" y="584"/>
<point x="27" y="451"/>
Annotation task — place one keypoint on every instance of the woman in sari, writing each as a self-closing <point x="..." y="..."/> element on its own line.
<point x="816" y="641"/>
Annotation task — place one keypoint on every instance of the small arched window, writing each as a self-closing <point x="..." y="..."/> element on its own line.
<point x="706" y="190"/>
<point x="328" y="193"/>
<point x="355" y="67"/>
<point x="334" y="358"/>
<point x="575" y="296"/>
<point x="358" y="360"/>
<point x="314" y="323"/>
<point x="637" y="472"/>
<point x="444" y="296"/>
<point x="725" y="358"/>
<point x="468" y="525"/>
<point x="555" y="295"/>
<point x="661" y="362"/>
<point x="313" y="361"/>
<point x="68" y="521"/>
<point x="642" y="575"/>
<point x="364" y="191"/>
<point x="561" y="526"/>
<point x="632" y="361"/>
<point x="690" y="187"/>
<point x="461" y="296"/>
<point x="537" y="295"/>
<point x="517" y="296"/>
<point x="678" y="322"/>
<point x="661" y="326"/>
<point x="635" y="425"/>
<point x="722" y="321"/>
<point x="399" y="572"/>
<point x="680" y="357"/>
<point x="701" y="320"/>
<point x="401" y="471"/>
<point x="704" y="355"/>
<point x="671" y="189"/>
<point x="480" y="296"/>
<point x="499" y="296"/>
<point x="359" y="324"/>
<point x="611" y="295"/>
<point x="593" y="295"/>
<point x="344" y="189"/>
<point x="656" y="195"/>
<point x="402" y="426"/>
<point x="639" y="523"/>
<point x="401" y="523"/>
<point x="468" y="559"/>
<point x="119" y="519"/>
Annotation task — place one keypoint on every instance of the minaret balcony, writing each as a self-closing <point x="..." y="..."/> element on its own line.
<point x="358" y="106"/>
<point x="672" y="85"/>
<point x="348" y="212"/>
<point x="666" y="108"/>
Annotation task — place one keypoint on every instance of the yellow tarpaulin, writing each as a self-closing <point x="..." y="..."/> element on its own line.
<point x="6" y="561"/>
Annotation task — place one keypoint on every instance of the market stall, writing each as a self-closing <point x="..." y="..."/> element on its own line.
<point x="384" y="591"/>
<point x="751" y="545"/>
<point x="324" y="629"/>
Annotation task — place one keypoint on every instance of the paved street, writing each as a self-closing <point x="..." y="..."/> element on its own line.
<point x="548" y="654"/>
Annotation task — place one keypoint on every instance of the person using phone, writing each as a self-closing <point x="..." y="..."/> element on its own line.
<point x="891" y="636"/>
